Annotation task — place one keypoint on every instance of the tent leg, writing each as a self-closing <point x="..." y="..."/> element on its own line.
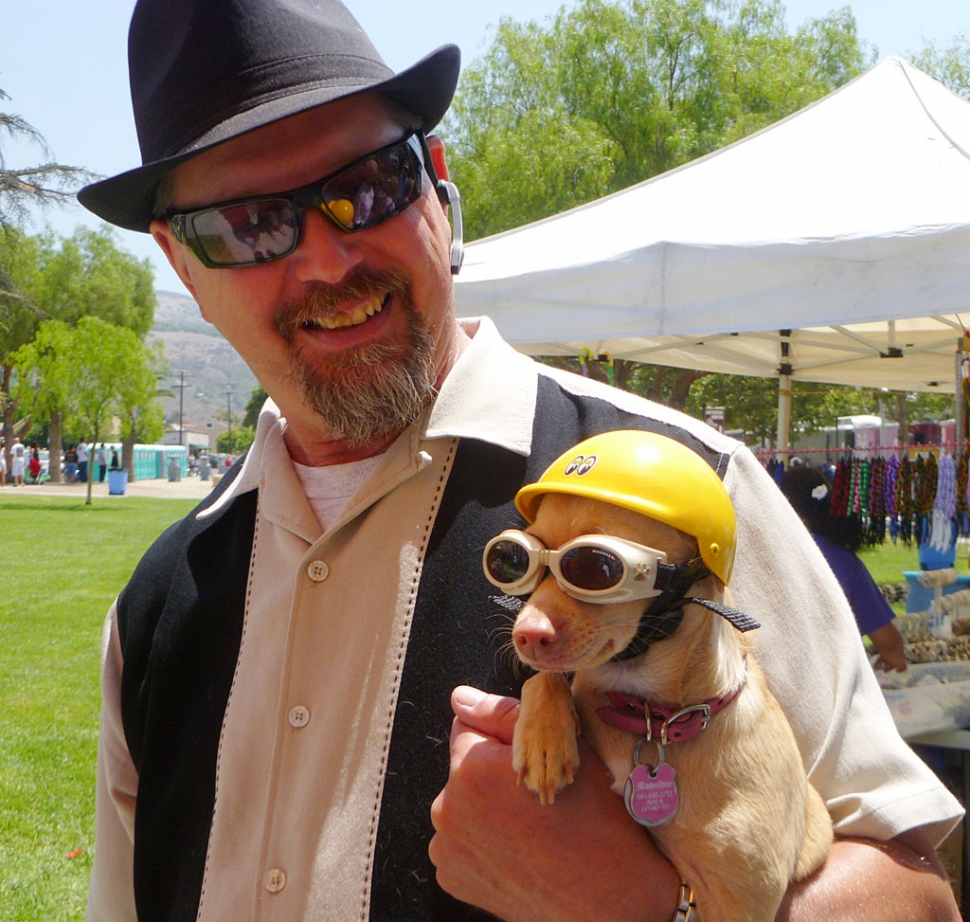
<point x="783" y="440"/>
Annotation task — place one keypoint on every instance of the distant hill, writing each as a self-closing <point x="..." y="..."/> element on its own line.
<point x="209" y="363"/>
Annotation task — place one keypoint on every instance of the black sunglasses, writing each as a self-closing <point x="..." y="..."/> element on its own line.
<point x="361" y="194"/>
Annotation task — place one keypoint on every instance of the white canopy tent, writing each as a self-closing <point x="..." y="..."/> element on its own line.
<point x="833" y="246"/>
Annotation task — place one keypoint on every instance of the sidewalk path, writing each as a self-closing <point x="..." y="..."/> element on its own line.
<point x="186" y="488"/>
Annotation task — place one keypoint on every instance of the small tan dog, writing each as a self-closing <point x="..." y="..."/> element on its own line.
<point x="666" y="690"/>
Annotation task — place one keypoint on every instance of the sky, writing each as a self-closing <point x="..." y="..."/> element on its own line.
<point x="64" y="69"/>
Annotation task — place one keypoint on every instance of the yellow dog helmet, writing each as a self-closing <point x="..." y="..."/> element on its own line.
<point x="651" y="474"/>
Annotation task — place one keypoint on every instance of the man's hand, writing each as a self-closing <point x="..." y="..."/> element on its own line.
<point x="497" y="847"/>
<point x="583" y="858"/>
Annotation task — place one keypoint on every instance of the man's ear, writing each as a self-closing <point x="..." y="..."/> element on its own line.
<point x="176" y="255"/>
<point x="438" y="160"/>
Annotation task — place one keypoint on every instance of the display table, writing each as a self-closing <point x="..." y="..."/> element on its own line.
<point x="958" y="740"/>
<point x="920" y="596"/>
<point x="928" y="697"/>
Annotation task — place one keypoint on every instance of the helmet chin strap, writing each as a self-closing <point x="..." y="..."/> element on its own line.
<point x="665" y="612"/>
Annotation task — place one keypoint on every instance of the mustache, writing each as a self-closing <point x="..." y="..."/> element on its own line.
<point x="323" y="298"/>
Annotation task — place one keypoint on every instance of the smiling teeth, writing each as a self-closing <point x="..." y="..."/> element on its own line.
<point x="352" y="319"/>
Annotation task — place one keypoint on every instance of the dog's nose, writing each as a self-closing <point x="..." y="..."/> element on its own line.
<point x="534" y="638"/>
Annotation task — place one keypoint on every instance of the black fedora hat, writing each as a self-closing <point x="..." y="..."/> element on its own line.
<point x="205" y="71"/>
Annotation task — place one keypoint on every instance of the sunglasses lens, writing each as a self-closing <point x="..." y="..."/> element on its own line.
<point x="363" y="194"/>
<point x="250" y="232"/>
<point x="591" y="568"/>
<point x="374" y="189"/>
<point x="507" y="562"/>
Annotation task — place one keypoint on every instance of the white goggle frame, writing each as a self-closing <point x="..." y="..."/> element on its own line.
<point x="640" y="566"/>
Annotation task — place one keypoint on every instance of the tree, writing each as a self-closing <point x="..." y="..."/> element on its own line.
<point x="613" y="92"/>
<point x="255" y="403"/>
<point x="19" y="316"/>
<point x="23" y="187"/>
<point x="44" y="381"/>
<point x="242" y="438"/>
<point x="87" y="275"/>
<point x="108" y="372"/>
<point x="55" y="278"/>
<point x="950" y="65"/>
<point x="139" y="411"/>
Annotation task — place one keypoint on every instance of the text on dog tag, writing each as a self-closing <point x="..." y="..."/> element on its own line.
<point x="651" y="794"/>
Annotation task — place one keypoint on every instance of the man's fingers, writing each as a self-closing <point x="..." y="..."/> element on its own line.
<point x="490" y="715"/>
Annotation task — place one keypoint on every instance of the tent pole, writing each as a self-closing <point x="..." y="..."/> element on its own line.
<point x="783" y="438"/>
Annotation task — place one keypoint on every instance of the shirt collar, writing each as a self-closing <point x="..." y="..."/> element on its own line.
<point x="490" y="394"/>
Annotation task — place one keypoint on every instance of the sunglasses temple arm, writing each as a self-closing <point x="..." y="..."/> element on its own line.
<point x="448" y="195"/>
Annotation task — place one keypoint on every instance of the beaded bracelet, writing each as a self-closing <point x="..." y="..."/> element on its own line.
<point x="686" y="906"/>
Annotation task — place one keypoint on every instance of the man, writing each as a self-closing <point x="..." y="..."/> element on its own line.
<point x="277" y="673"/>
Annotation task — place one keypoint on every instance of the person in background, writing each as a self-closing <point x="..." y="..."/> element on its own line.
<point x="289" y="724"/>
<point x="70" y="464"/>
<point x="35" y="466"/>
<point x="838" y="538"/>
<point x="102" y="459"/>
<point x="83" y="452"/>
<point x="18" y="461"/>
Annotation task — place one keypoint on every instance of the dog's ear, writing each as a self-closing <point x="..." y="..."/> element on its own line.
<point x="712" y="588"/>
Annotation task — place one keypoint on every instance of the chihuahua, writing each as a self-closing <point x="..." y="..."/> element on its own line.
<point x="666" y="687"/>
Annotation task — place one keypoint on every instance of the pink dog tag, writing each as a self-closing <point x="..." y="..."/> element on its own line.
<point x="651" y="794"/>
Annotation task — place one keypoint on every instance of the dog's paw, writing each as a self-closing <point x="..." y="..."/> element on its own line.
<point x="545" y="753"/>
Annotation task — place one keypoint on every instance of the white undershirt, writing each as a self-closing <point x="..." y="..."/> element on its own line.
<point x="330" y="488"/>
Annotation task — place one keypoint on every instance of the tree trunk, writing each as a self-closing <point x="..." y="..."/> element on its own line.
<point x="128" y="456"/>
<point x="657" y="387"/>
<point x="7" y="413"/>
<point x="902" y="417"/>
<point x="55" y="447"/>
<point x="682" y="384"/>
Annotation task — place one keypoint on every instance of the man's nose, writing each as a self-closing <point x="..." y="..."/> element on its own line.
<point x="325" y="253"/>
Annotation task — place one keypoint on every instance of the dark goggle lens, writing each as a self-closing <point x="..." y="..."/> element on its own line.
<point x="591" y="568"/>
<point x="363" y="194"/>
<point x="507" y="561"/>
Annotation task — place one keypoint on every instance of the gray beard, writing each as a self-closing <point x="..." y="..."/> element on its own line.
<point x="372" y="391"/>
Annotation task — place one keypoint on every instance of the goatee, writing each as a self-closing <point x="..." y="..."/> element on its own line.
<point x="367" y="392"/>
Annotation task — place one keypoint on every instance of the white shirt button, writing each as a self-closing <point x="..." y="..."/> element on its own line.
<point x="275" y="880"/>
<point x="318" y="571"/>
<point x="299" y="716"/>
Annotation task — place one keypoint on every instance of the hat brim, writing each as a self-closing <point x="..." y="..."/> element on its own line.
<point x="425" y="89"/>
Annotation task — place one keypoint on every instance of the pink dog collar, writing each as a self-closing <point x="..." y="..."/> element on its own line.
<point x="630" y="713"/>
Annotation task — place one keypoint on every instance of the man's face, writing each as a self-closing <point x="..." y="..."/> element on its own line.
<point x="350" y="333"/>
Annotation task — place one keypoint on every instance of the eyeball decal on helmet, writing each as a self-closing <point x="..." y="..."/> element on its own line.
<point x="581" y="464"/>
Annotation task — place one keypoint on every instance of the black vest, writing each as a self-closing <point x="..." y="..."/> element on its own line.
<point x="180" y="620"/>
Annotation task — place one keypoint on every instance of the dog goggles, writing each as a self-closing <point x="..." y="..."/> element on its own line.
<point x="359" y="195"/>
<point x="591" y="568"/>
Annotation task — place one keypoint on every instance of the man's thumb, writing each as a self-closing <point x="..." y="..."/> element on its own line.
<point x="491" y="715"/>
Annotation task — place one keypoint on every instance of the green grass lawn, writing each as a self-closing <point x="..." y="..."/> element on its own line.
<point x="61" y="565"/>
